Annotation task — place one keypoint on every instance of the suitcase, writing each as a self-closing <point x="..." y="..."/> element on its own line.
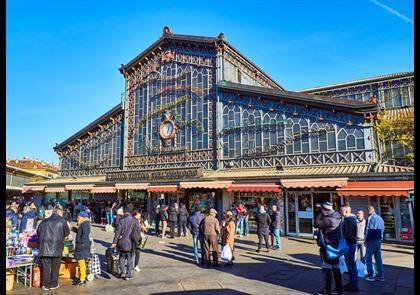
<point x="112" y="261"/>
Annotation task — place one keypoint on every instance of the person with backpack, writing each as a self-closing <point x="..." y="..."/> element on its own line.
<point x="329" y="224"/>
<point x="124" y="243"/>
<point x="182" y="220"/>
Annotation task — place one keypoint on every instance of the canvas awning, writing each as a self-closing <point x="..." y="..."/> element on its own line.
<point x="58" y="189"/>
<point x="393" y="188"/>
<point x="33" y="188"/>
<point x="205" y="184"/>
<point x="314" y="182"/>
<point x="103" y="190"/>
<point x="162" y="188"/>
<point x="131" y="186"/>
<point x="254" y="187"/>
<point x="79" y="187"/>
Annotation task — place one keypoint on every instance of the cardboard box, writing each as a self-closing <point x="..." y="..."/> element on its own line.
<point x="68" y="270"/>
<point x="10" y="279"/>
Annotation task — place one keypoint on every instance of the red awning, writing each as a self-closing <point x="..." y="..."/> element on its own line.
<point x="314" y="182"/>
<point x="103" y="190"/>
<point x="59" y="189"/>
<point x="32" y="188"/>
<point x="254" y="187"/>
<point x="162" y="188"/>
<point x="79" y="187"/>
<point x="205" y="184"/>
<point x="377" y="188"/>
<point x="131" y="186"/>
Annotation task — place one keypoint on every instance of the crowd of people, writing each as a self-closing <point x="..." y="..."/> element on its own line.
<point x="361" y="236"/>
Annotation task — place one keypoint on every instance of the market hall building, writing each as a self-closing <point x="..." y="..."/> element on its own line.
<point x="203" y="125"/>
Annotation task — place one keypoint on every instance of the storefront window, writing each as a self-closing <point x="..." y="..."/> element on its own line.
<point x="406" y="230"/>
<point x="63" y="198"/>
<point x="49" y="197"/>
<point x="388" y="215"/>
<point x="204" y="201"/>
<point x="291" y="213"/>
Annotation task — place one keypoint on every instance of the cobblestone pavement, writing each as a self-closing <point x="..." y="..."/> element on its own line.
<point x="167" y="268"/>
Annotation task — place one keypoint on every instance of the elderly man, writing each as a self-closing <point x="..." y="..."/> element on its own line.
<point x="361" y="226"/>
<point x="374" y="234"/>
<point x="210" y="228"/>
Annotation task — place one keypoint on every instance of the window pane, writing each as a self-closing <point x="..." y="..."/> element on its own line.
<point x="351" y="141"/>
<point x="342" y="135"/>
<point x="341" y="145"/>
<point x="360" y="144"/>
<point x="331" y="140"/>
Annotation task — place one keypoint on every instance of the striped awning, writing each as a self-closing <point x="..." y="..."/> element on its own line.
<point x="254" y="187"/>
<point x="58" y="189"/>
<point x="314" y="182"/>
<point x="205" y="184"/>
<point x="103" y="190"/>
<point x="131" y="186"/>
<point x="395" y="188"/>
<point x="163" y="188"/>
<point x="33" y="188"/>
<point x="79" y="187"/>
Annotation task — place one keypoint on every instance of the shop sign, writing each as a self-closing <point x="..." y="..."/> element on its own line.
<point x="154" y="175"/>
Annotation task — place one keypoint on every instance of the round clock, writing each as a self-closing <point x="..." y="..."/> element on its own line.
<point x="167" y="129"/>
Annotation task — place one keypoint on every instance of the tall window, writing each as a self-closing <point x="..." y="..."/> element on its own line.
<point x="350" y="139"/>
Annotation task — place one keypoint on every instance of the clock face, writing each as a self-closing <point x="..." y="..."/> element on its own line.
<point x="167" y="129"/>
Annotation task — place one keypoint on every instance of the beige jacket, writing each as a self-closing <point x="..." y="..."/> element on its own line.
<point x="210" y="226"/>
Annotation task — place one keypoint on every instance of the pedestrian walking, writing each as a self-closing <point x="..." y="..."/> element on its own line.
<point x="182" y="220"/>
<point x="157" y="218"/>
<point x="361" y="227"/>
<point x="349" y="225"/>
<point x="194" y="222"/>
<point x="329" y="222"/>
<point x="136" y="238"/>
<point x="51" y="234"/>
<point x="82" y="245"/>
<point x="210" y="229"/>
<point x="172" y="219"/>
<point x="164" y="218"/>
<point x="263" y="230"/>
<point x="123" y="242"/>
<point x="275" y="224"/>
<point x="374" y="235"/>
<point x="228" y="234"/>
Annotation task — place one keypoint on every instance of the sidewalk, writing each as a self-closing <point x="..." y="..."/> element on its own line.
<point x="167" y="268"/>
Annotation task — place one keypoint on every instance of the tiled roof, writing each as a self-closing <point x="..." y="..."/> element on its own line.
<point x="32" y="164"/>
<point x="398" y="114"/>
<point x="384" y="168"/>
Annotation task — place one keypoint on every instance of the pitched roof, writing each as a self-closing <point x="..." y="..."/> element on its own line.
<point x="355" y="82"/>
<point x="302" y="98"/>
<point x="115" y="110"/>
<point x="32" y="164"/>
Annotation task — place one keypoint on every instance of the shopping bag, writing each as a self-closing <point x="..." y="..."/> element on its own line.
<point x="361" y="269"/>
<point x="226" y="253"/>
<point x="342" y="264"/>
<point x="333" y="253"/>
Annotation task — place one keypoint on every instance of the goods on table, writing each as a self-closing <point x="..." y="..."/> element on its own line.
<point x="17" y="247"/>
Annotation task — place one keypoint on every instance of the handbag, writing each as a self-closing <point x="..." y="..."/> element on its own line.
<point x="334" y="253"/>
<point x="226" y="253"/>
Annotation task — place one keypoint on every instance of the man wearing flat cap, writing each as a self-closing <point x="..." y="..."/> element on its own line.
<point x="210" y="228"/>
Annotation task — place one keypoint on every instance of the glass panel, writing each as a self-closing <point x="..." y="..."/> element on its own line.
<point x="406" y="230"/>
<point x="304" y="202"/>
<point x="341" y="145"/>
<point x="351" y="142"/>
<point x="388" y="215"/>
<point x="305" y="213"/>
<point x="291" y="213"/>
<point x="305" y="225"/>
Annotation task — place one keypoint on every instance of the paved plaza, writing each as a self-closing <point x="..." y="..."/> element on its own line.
<point x="167" y="268"/>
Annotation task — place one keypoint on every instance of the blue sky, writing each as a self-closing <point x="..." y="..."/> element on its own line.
<point x="62" y="57"/>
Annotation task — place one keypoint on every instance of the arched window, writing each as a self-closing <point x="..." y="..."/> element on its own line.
<point x="350" y="139"/>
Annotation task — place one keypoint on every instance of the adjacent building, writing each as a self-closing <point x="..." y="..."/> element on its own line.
<point x="202" y="124"/>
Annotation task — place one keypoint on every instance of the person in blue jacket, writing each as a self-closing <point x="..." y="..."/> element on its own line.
<point x="11" y="213"/>
<point x="374" y="234"/>
<point x="194" y="226"/>
<point x="28" y="213"/>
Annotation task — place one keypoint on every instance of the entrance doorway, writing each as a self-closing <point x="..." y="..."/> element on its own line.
<point x="300" y="213"/>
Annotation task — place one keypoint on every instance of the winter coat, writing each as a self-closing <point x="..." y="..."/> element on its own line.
<point x="172" y="212"/>
<point x="329" y="225"/>
<point x="210" y="226"/>
<point x="136" y="234"/>
<point x="350" y="229"/>
<point x="375" y="228"/>
<point x="228" y="233"/>
<point x="28" y="215"/>
<point x="157" y="215"/>
<point x="83" y="243"/>
<point x="275" y="220"/>
<point x="194" y="222"/>
<point x="123" y="232"/>
<point x="183" y="214"/>
<point x="51" y="234"/>
<point x="13" y="217"/>
<point x="263" y="223"/>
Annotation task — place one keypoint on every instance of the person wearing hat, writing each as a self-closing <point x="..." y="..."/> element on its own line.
<point x="83" y="243"/>
<point x="228" y="233"/>
<point x="210" y="228"/>
<point x="263" y="228"/>
<point x="329" y="222"/>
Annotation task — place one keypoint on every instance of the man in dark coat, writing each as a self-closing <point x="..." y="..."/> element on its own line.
<point x="51" y="234"/>
<point x="83" y="244"/>
<point x="329" y="225"/>
<point x="123" y="241"/>
<point x="263" y="228"/>
<point x="194" y="222"/>
<point x="172" y="219"/>
<point x="182" y="220"/>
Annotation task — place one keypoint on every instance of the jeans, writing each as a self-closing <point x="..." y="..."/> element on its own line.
<point x="362" y="248"/>
<point x="276" y="233"/>
<point x="351" y="264"/>
<point x="126" y="263"/>
<point x="157" y="223"/>
<point x="239" y="225"/>
<point x="246" y="226"/>
<point x="195" y="242"/>
<point x="108" y="217"/>
<point x="374" y="248"/>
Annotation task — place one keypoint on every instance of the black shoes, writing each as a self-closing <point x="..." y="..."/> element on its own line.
<point x="350" y="288"/>
<point x="258" y="251"/>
